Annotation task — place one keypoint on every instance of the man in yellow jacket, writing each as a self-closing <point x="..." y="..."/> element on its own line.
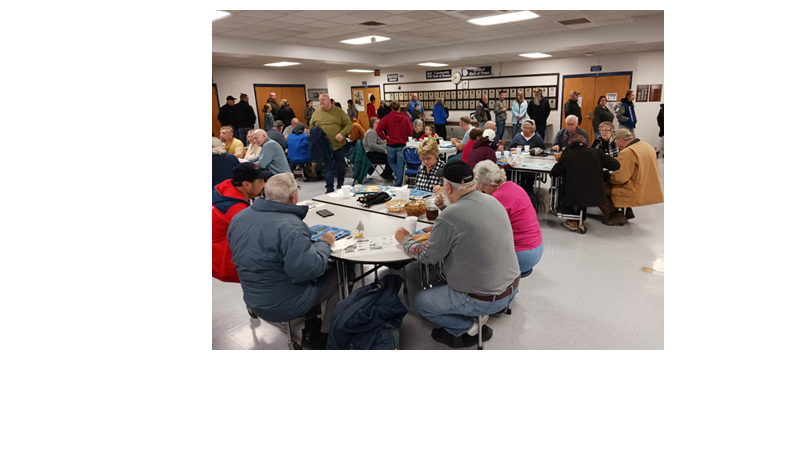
<point x="636" y="183"/>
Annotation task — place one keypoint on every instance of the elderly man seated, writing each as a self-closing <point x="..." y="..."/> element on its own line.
<point x="283" y="273"/>
<point x="527" y="136"/>
<point x="272" y="156"/>
<point x="473" y="237"/>
<point x="582" y="169"/>
<point x="561" y="141"/>
<point x="497" y="144"/>
<point x="289" y="129"/>
<point x="636" y="183"/>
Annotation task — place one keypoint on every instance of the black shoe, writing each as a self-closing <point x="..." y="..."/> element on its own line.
<point x="311" y="332"/>
<point x="629" y="213"/>
<point x="469" y="341"/>
<point x="339" y="186"/>
<point x="328" y="191"/>
<point x="322" y="342"/>
<point x="440" y="335"/>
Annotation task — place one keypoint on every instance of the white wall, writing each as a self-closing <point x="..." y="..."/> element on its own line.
<point x="647" y="68"/>
<point x="233" y="80"/>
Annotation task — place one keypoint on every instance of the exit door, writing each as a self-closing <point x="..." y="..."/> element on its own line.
<point x="591" y="87"/>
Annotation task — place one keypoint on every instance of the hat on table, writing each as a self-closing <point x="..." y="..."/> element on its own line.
<point x="490" y="134"/>
<point x="248" y="171"/>
<point x="622" y="134"/>
<point x="456" y="172"/>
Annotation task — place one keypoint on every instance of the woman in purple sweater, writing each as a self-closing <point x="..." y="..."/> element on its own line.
<point x="491" y="180"/>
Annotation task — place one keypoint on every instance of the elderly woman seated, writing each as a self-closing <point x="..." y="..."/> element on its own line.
<point x="419" y="130"/>
<point x="604" y="142"/>
<point x="253" y="151"/>
<point x="527" y="237"/>
<point x="427" y="173"/>
<point x="528" y="136"/>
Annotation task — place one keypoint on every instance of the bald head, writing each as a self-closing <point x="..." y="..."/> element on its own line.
<point x="325" y="102"/>
<point x="491" y="126"/>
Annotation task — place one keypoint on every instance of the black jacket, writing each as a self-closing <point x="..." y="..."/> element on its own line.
<point x="245" y="116"/>
<point x="383" y="112"/>
<point x="660" y="120"/>
<point x="582" y="169"/>
<point x="286" y="114"/>
<point x="539" y="114"/>
<point x="227" y="116"/>
<point x="601" y="115"/>
<point x="571" y="108"/>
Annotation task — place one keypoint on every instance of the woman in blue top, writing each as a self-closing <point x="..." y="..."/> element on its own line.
<point x="626" y="114"/>
<point x="528" y="136"/>
<point x="440" y="114"/>
<point x="519" y="109"/>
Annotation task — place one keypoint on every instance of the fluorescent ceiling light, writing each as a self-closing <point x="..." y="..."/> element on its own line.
<point x="219" y="15"/>
<point x="281" y="64"/>
<point x="433" y="64"/>
<point x="365" y="40"/>
<point x="504" y="18"/>
<point x="536" y="55"/>
<point x="360" y="70"/>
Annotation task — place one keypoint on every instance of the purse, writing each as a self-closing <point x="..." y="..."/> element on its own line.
<point x="375" y="198"/>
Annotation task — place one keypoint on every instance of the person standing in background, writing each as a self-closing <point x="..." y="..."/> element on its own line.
<point x="660" y="120"/>
<point x="269" y="119"/>
<point x="601" y="114"/>
<point x="245" y="116"/>
<point x="286" y="113"/>
<point x="519" y="109"/>
<point x="309" y="111"/>
<point x="336" y="125"/>
<point x="227" y="115"/>
<point x="482" y="111"/>
<point x="626" y="114"/>
<point x="371" y="107"/>
<point x="273" y="102"/>
<point x="415" y="101"/>
<point x="440" y="114"/>
<point x="539" y="111"/>
<point x="384" y="110"/>
<point x="571" y="107"/>
<point x="500" y="109"/>
<point x="395" y="129"/>
<point x="352" y="112"/>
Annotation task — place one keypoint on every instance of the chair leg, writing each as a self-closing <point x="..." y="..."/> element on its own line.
<point x="480" y="333"/>
<point x="293" y="345"/>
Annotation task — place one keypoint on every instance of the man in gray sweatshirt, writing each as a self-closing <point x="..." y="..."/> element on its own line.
<point x="474" y="239"/>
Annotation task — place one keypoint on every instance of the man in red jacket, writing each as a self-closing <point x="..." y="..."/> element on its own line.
<point x="395" y="129"/>
<point x="228" y="199"/>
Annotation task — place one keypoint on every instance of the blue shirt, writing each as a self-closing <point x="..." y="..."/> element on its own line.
<point x="273" y="158"/>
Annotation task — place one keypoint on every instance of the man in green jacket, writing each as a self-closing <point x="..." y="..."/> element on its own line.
<point x="336" y="125"/>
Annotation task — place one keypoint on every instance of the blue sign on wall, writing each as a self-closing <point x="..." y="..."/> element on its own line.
<point x="596" y="69"/>
<point x="363" y="83"/>
<point x="438" y="74"/>
<point x="391" y="77"/>
<point x="481" y="71"/>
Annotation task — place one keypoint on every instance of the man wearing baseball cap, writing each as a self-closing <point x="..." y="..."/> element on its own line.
<point x="473" y="238"/>
<point x="636" y="183"/>
<point x="228" y="199"/>
<point x="227" y="116"/>
<point x="571" y="108"/>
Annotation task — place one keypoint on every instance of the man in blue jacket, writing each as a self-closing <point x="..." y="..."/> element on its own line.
<point x="440" y="114"/>
<point x="282" y="271"/>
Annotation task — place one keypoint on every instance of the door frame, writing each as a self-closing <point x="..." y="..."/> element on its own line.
<point x="378" y="86"/>
<point x="588" y="75"/>
<point x="216" y="92"/>
<point x="255" y="93"/>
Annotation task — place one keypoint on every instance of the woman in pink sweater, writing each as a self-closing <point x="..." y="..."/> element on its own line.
<point x="491" y="180"/>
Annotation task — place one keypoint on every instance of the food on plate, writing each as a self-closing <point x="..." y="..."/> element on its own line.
<point x="372" y="189"/>
<point x="421" y="237"/>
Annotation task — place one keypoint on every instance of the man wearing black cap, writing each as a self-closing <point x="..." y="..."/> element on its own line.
<point x="227" y="116"/>
<point x="245" y="116"/>
<point x="571" y="107"/>
<point x="473" y="238"/>
<point x="228" y="199"/>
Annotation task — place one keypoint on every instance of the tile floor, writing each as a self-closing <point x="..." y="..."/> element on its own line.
<point x="587" y="292"/>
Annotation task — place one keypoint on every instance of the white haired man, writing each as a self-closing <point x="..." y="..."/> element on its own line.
<point x="272" y="156"/>
<point x="474" y="239"/>
<point x="283" y="272"/>
<point x="561" y="141"/>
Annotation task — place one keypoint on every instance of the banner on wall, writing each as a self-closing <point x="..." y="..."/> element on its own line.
<point x="391" y="77"/>
<point x="438" y="74"/>
<point x="481" y="71"/>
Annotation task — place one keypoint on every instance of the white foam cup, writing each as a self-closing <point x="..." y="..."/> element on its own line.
<point x="411" y="224"/>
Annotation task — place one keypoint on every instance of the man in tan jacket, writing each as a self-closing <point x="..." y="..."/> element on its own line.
<point x="636" y="183"/>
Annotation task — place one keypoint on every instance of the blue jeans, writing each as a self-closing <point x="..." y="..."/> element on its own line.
<point x="338" y="163"/>
<point x="482" y="125"/>
<point x="453" y="310"/>
<point x="527" y="259"/>
<point x="501" y="129"/>
<point x="394" y="154"/>
<point x="515" y="128"/>
<point x="458" y="156"/>
<point x="243" y="135"/>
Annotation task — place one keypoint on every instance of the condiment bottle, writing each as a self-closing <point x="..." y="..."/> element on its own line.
<point x="359" y="230"/>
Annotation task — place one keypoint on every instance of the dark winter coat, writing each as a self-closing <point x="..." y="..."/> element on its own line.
<point x="571" y="108"/>
<point x="245" y="116"/>
<point x="227" y="116"/>
<point x="582" y="169"/>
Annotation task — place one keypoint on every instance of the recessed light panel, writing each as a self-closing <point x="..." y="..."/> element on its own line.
<point x="365" y="40"/>
<point x="433" y="64"/>
<point x="282" y="64"/>
<point x="504" y="18"/>
<point x="360" y="71"/>
<point x="219" y="15"/>
<point x="536" y="55"/>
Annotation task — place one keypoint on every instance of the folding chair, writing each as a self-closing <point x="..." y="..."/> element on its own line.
<point x="412" y="163"/>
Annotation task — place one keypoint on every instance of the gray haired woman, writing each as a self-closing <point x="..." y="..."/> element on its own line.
<point x="491" y="180"/>
<point x="419" y="129"/>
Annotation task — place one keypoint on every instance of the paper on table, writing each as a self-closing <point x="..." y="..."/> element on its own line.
<point x="342" y="244"/>
<point x="378" y="244"/>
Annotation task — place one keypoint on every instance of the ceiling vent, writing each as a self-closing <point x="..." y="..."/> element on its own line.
<point x="574" y="21"/>
<point x="372" y="24"/>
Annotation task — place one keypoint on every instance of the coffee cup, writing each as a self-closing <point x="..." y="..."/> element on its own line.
<point x="411" y="224"/>
<point x="345" y="191"/>
<point x="498" y="154"/>
<point x="527" y="148"/>
<point x="506" y="154"/>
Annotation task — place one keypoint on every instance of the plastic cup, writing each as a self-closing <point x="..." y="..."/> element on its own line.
<point x="507" y="153"/>
<point x="346" y="191"/>
<point x="498" y="154"/>
<point x="357" y="187"/>
<point x="527" y="148"/>
<point x="411" y="224"/>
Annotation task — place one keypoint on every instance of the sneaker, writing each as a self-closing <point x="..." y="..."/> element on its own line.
<point x="327" y="191"/>
<point x="616" y="218"/>
<point x="629" y="213"/>
<point x="469" y="341"/>
<point x="440" y="335"/>
<point x="571" y="225"/>
<point x="474" y="330"/>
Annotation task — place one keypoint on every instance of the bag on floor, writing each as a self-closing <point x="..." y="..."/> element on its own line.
<point x="369" y="318"/>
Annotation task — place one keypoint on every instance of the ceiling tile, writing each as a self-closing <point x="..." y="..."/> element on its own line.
<point x="265" y="37"/>
<point x="650" y="16"/>
<point x="582" y="25"/>
<point x="614" y="22"/>
<point x="567" y="16"/>
<point x="238" y="18"/>
<point x="346" y="19"/>
<point x="547" y="13"/>
<point x="263" y="27"/>
<point x="399" y="11"/>
<point x="241" y="33"/>
<point x="298" y="20"/>
<point x="263" y="14"/>
<point x="645" y="12"/>
<point x="395" y="20"/>
<point x="319" y="15"/>
<point x="444" y="20"/>
<point x="368" y="15"/>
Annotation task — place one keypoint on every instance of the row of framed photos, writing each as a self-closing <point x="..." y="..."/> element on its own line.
<point x="467" y="105"/>
<point x="471" y="94"/>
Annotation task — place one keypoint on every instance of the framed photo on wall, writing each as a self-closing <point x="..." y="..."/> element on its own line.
<point x="472" y="104"/>
<point x="528" y="92"/>
<point x="512" y="93"/>
<point x="491" y="104"/>
<point x="460" y="105"/>
<point x="552" y="92"/>
<point x="552" y="103"/>
<point x="485" y="92"/>
<point x="460" y="95"/>
<point x="491" y="94"/>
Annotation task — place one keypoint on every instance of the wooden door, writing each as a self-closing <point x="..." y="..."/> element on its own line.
<point x="616" y="84"/>
<point x="215" y="125"/>
<point x="584" y="85"/>
<point x="294" y="94"/>
<point x="367" y="90"/>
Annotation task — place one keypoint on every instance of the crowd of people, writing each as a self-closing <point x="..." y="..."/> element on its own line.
<point x="485" y="220"/>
